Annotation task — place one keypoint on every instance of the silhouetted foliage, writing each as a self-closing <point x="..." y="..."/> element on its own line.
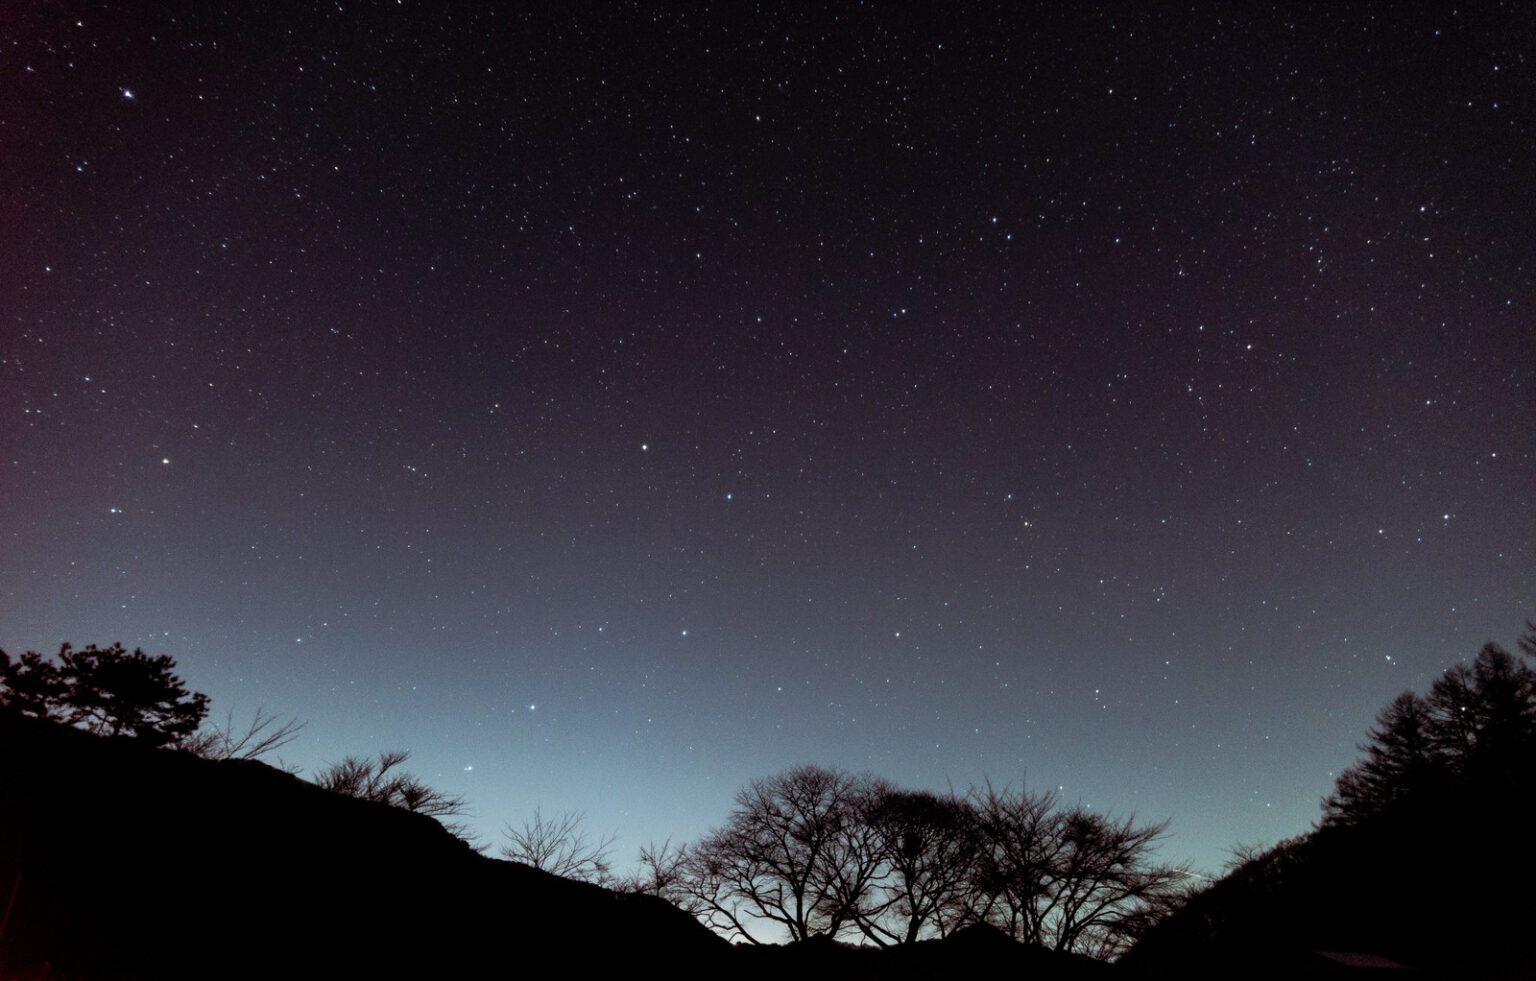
<point x="1401" y="759"/>
<point x="381" y="781"/>
<point x="263" y="735"/>
<point x="560" y="847"/>
<point x="106" y="691"/>
<point x="1476" y="728"/>
<point x="1419" y="856"/>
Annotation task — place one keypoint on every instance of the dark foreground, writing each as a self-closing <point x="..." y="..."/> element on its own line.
<point x="123" y="862"/>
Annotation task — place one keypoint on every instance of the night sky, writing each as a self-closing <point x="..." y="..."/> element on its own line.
<point x="615" y="405"/>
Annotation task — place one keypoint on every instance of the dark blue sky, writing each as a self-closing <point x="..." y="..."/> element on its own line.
<point x="616" y="405"/>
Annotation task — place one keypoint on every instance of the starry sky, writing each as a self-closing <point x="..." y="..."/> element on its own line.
<point x="616" y="404"/>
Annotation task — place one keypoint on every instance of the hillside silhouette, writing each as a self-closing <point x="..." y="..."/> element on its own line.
<point x="122" y="858"/>
<point x="143" y="863"/>
<point x="123" y="861"/>
<point x="1423" y="855"/>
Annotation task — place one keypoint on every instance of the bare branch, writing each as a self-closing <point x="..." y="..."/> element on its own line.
<point x="373" y="780"/>
<point x="789" y="855"/>
<point x="560" y="846"/>
<point x="265" y="734"/>
<point x="663" y="872"/>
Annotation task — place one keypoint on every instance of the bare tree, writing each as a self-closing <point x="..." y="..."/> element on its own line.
<point x="1108" y="888"/>
<point x="380" y="780"/>
<point x="1018" y="846"/>
<point x="816" y="851"/>
<point x="560" y="846"/>
<point x="782" y="858"/>
<point x="1240" y="855"/>
<point x="927" y="846"/>
<point x="265" y="734"/>
<point x="1069" y="880"/>
<point x="857" y="861"/>
<point x="663" y="872"/>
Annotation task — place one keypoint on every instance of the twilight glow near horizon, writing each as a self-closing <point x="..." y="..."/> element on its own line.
<point x="615" y="405"/>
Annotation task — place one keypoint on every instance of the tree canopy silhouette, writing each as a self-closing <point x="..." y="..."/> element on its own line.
<point x="777" y="859"/>
<point x="107" y="691"/>
<point x="929" y="847"/>
<point x="1067" y="879"/>
<point x="1419" y="855"/>
<point x="1475" y="732"/>
<point x="815" y="851"/>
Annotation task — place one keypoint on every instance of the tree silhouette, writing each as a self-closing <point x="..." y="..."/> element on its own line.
<point x="1420" y="854"/>
<point x="928" y="846"/>
<point x="1401" y="758"/>
<point x="30" y="686"/>
<point x="1483" y="715"/>
<point x="382" y="781"/>
<point x="663" y="872"/>
<point x="1108" y="888"/>
<point x="1019" y="848"/>
<point x="106" y="691"/>
<point x="1475" y="732"/>
<point x="264" y="734"/>
<point x="1069" y="880"/>
<point x="820" y="852"/>
<point x="560" y="846"/>
<point x="784" y="857"/>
